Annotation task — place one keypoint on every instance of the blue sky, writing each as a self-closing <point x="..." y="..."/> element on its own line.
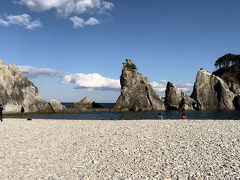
<point x="75" y="48"/>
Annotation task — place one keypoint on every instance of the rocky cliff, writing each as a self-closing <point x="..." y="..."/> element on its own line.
<point x="17" y="91"/>
<point x="231" y="76"/>
<point x="137" y="93"/>
<point x="176" y="99"/>
<point x="212" y="93"/>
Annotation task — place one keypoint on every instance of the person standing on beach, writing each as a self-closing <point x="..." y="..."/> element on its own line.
<point x="1" y="109"/>
<point x="22" y="111"/>
<point x="184" y="116"/>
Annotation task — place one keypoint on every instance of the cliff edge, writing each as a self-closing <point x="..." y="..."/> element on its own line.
<point x="17" y="91"/>
<point x="212" y="93"/>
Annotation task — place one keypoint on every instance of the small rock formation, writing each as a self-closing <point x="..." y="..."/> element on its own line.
<point x="178" y="100"/>
<point x="17" y="91"/>
<point x="86" y="103"/>
<point x="57" y="107"/>
<point x="212" y="93"/>
<point x="137" y="93"/>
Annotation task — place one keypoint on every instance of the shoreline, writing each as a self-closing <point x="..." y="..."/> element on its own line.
<point x="115" y="149"/>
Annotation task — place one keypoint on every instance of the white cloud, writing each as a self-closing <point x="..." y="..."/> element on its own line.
<point x="79" y="22"/>
<point x="33" y="72"/>
<point x="91" y="82"/>
<point x="92" y="21"/>
<point x="106" y="6"/>
<point x="66" y="7"/>
<point x="23" y="20"/>
<point x="158" y="87"/>
<point x="3" y="22"/>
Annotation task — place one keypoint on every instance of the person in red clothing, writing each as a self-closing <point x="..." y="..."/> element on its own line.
<point x="184" y="116"/>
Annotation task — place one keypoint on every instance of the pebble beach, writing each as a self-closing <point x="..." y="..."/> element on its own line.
<point x="125" y="149"/>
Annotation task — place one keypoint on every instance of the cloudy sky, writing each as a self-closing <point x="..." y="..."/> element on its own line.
<point x="75" y="48"/>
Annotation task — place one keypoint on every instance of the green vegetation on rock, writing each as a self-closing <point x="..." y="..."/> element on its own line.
<point x="129" y="65"/>
<point x="227" y="60"/>
<point x="228" y="68"/>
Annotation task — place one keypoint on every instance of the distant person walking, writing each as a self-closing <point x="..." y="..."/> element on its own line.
<point x="184" y="116"/>
<point x="22" y="111"/>
<point x="160" y="116"/>
<point x="1" y="114"/>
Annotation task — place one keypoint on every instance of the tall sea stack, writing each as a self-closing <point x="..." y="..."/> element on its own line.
<point x="137" y="93"/>
<point x="17" y="91"/>
<point x="212" y="93"/>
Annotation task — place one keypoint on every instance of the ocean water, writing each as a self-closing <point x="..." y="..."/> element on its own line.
<point x="204" y="115"/>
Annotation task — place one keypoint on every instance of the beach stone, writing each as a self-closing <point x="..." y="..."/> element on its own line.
<point x="212" y="93"/>
<point x="137" y="93"/>
<point x="17" y="91"/>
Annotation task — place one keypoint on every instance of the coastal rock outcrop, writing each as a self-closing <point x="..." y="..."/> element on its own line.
<point x="17" y="91"/>
<point x="137" y="93"/>
<point x="86" y="103"/>
<point x="176" y="99"/>
<point x="57" y="107"/>
<point x="212" y="93"/>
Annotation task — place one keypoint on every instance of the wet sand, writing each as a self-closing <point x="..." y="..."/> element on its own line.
<point x="126" y="149"/>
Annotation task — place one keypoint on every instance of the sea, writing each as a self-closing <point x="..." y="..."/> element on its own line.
<point x="194" y="115"/>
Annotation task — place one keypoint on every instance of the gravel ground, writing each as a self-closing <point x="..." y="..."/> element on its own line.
<point x="146" y="149"/>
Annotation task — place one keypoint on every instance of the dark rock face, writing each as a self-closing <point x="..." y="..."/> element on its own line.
<point x="137" y="93"/>
<point x="212" y="93"/>
<point x="178" y="100"/>
<point x="17" y="91"/>
<point x="236" y="102"/>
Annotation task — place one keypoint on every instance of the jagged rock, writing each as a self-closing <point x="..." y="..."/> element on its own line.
<point x="178" y="100"/>
<point x="173" y="97"/>
<point x="212" y="93"/>
<point x="17" y="91"/>
<point x="58" y="107"/>
<point x="86" y="103"/>
<point x="187" y="104"/>
<point x="236" y="101"/>
<point x="137" y="93"/>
